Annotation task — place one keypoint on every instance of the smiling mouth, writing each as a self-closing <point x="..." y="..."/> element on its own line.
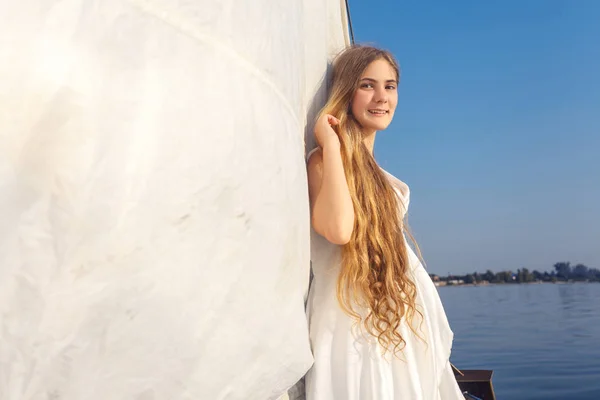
<point x="378" y="112"/>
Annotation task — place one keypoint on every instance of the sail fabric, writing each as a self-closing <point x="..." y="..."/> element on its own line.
<point x="154" y="220"/>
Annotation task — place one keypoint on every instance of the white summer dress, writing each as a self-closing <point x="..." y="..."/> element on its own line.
<point x="349" y="365"/>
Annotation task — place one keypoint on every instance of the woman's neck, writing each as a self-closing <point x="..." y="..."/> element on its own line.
<point x="369" y="141"/>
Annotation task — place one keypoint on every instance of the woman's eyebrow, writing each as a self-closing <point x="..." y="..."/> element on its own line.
<point x="374" y="80"/>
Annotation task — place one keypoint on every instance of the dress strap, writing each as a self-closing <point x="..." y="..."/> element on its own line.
<point x="310" y="153"/>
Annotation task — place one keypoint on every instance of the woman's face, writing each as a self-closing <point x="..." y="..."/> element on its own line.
<point x="375" y="99"/>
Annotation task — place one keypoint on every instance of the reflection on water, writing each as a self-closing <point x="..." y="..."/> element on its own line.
<point x="541" y="340"/>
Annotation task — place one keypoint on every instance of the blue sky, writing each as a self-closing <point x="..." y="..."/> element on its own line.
<point x="497" y="130"/>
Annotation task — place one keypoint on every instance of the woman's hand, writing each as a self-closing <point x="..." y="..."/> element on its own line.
<point x="324" y="132"/>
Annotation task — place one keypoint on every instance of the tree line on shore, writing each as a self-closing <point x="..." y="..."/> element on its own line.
<point x="562" y="271"/>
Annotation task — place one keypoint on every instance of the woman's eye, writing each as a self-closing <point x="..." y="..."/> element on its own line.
<point x="391" y="87"/>
<point x="366" y="85"/>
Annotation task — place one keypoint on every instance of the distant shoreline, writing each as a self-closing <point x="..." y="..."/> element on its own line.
<point x="511" y="283"/>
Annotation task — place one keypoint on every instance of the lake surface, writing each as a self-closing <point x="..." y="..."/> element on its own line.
<point x="541" y="340"/>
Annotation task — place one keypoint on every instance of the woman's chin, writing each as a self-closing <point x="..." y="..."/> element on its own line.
<point x="378" y="126"/>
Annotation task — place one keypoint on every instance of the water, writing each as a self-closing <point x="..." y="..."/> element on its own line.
<point x="541" y="340"/>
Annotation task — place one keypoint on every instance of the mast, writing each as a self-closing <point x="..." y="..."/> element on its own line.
<point x="349" y="22"/>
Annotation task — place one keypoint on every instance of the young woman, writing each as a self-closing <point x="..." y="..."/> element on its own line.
<point x="377" y="327"/>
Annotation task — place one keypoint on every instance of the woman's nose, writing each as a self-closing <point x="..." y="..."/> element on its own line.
<point x="381" y="96"/>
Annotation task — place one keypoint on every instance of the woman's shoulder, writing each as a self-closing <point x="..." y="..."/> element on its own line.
<point x="402" y="188"/>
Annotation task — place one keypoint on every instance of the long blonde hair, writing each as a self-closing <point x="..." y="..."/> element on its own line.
<point x="375" y="264"/>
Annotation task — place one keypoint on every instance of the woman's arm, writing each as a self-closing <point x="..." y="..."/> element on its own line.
<point x="332" y="212"/>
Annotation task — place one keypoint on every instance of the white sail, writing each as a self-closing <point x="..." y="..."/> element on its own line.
<point x="154" y="225"/>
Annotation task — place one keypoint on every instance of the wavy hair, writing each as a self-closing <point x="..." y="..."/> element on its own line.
<point x="375" y="264"/>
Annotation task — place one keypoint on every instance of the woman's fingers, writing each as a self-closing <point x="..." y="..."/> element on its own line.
<point x="332" y="120"/>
